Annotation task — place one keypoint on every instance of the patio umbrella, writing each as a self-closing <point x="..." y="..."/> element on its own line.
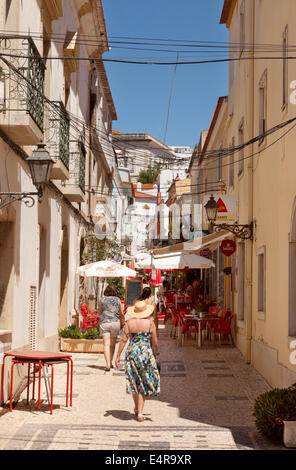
<point x="183" y="261"/>
<point x="105" y="269"/>
<point x="155" y="279"/>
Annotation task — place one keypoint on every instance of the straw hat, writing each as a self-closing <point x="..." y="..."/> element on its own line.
<point x="140" y="310"/>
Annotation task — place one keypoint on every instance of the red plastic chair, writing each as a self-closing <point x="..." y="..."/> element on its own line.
<point x="225" y="313"/>
<point x="223" y="327"/>
<point x="90" y="319"/>
<point x="187" y="326"/>
<point x="214" y="310"/>
<point x="175" y="322"/>
<point x="161" y="315"/>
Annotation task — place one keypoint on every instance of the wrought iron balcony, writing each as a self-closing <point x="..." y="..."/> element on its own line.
<point x="81" y="173"/>
<point x="58" y="140"/>
<point x="22" y="103"/>
<point x="74" y="189"/>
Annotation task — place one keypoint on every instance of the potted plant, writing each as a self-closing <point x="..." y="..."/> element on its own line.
<point x="275" y="415"/>
<point x="74" y="339"/>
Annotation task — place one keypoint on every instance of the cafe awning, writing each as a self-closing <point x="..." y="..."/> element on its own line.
<point x="177" y="260"/>
<point x="182" y="261"/>
<point x="194" y="246"/>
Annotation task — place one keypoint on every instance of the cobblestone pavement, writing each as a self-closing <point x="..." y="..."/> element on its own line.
<point x="206" y="402"/>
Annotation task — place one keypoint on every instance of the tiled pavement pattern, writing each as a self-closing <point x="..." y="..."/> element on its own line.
<point x="206" y="402"/>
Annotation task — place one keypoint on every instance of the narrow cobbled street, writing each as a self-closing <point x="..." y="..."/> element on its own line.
<point x="206" y="403"/>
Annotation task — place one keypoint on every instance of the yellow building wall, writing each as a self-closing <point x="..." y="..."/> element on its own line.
<point x="266" y="189"/>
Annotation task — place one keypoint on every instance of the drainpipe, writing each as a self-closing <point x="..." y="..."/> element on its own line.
<point x="250" y="168"/>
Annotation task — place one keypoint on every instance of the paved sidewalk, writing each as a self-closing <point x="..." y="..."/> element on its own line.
<point x="206" y="402"/>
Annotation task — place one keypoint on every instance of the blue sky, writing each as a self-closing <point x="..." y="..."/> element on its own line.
<point x="141" y="92"/>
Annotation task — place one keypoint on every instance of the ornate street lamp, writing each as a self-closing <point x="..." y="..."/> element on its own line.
<point x="245" y="232"/>
<point x="40" y="164"/>
<point x="211" y="208"/>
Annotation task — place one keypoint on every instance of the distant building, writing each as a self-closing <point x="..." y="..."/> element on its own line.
<point x="137" y="151"/>
<point x="140" y="214"/>
<point x="181" y="151"/>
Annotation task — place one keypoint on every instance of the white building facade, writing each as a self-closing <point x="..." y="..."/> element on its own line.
<point x="69" y="108"/>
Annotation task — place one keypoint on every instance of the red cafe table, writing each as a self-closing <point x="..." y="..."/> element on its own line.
<point x="39" y="358"/>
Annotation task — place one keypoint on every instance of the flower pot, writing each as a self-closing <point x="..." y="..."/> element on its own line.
<point x="289" y="433"/>
<point x="82" y="345"/>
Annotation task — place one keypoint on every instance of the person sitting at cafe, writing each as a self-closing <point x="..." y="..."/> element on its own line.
<point x="188" y="289"/>
<point x="196" y="289"/>
<point x="145" y="282"/>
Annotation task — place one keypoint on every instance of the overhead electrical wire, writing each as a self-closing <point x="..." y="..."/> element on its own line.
<point x="92" y="39"/>
<point x="220" y="152"/>
<point x="153" y="62"/>
<point x="206" y="154"/>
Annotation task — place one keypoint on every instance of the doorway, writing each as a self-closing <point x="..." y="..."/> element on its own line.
<point x="64" y="282"/>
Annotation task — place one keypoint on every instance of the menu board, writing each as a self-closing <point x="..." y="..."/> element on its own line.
<point x="133" y="290"/>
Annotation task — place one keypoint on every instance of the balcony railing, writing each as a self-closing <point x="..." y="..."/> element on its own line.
<point x="58" y="134"/>
<point x="82" y="157"/>
<point x="23" y="94"/>
<point x="74" y="188"/>
<point x="77" y="165"/>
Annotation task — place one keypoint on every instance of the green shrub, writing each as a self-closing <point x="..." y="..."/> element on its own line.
<point x="72" y="332"/>
<point x="116" y="282"/>
<point x="272" y="408"/>
<point x="91" y="333"/>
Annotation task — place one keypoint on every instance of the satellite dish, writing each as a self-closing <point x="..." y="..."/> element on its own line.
<point x="100" y="230"/>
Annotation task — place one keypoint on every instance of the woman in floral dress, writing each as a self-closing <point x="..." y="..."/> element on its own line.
<point x="142" y="375"/>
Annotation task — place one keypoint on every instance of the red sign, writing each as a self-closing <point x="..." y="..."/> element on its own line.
<point x="228" y="247"/>
<point x="222" y="207"/>
<point x="206" y="253"/>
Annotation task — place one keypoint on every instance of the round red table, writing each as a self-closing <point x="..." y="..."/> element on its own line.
<point x="40" y="358"/>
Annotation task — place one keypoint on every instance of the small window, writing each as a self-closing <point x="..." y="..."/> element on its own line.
<point x="8" y="5"/>
<point x="242" y="26"/>
<point x="220" y="164"/>
<point x="241" y="281"/>
<point x="261" y="279"/>
<point x="262" y="106"/>
<point x="241" y="153"/>
<point x="231" y="165"/>
<point x="285" y="67"/>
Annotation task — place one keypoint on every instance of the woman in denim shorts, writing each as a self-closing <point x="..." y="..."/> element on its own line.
<point x="111" y="321"/>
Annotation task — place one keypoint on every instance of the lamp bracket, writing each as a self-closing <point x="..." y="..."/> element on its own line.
<point x="245" y="232"/>
<point x="7" y="198"/>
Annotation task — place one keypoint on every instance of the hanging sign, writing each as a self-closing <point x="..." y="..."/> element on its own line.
<point x="228" y="247"/>
<point x="227" y="212"/>
<point x="206" y="253"/>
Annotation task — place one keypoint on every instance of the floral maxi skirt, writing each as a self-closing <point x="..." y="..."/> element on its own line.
<point x="142" y="375"/>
